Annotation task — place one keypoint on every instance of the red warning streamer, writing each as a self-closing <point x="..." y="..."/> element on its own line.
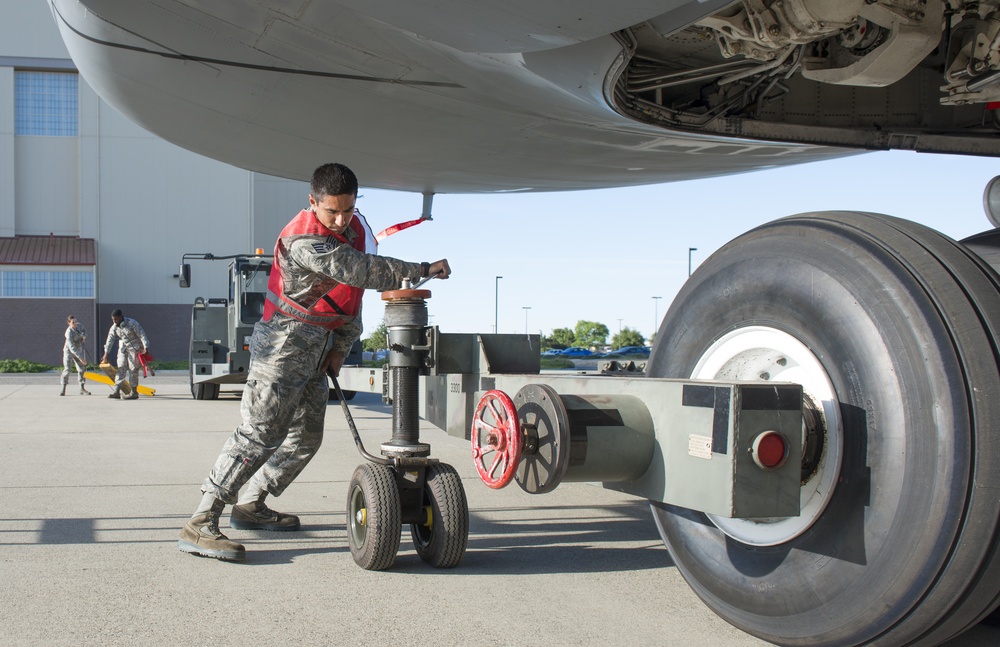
<point x="389" y="231"/>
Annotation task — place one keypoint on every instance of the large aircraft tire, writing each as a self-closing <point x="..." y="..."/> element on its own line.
<point x="890" y="327"/>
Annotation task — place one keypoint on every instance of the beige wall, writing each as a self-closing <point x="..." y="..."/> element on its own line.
<point x="28" y="30"/>
<point x="46" y="186"/>
<point x="275" y="201"/>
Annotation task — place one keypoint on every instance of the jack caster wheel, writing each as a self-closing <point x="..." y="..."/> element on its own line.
<point x="373" y="516"/>
<point x="497" y="444"/>
<point x="441" y="539"/>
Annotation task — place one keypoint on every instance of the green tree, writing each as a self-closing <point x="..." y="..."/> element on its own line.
<point x="628" y="337"/>
<point x="590" y="333"/>
<point x="562" y="338"/>
<point x="376" y="340"/>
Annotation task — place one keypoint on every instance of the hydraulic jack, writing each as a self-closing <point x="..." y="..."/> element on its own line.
<point x="404" y="484"/>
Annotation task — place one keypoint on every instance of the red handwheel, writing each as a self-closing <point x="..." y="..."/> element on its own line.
<point x="496" y="439"/>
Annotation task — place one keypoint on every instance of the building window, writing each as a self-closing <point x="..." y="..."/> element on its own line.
<point x="62" y="284"/>
<point x="46" y="103"/>
<point x="46" y="285"/>
<point x="36" y="284"/>
<point x="83" y="285"/>
<point x="13" y="284"/>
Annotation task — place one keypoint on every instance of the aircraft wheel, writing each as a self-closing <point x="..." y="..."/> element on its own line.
<point x="890" y="328"/>
<point x="373" y="516"/>
<point x="441" y="539"/>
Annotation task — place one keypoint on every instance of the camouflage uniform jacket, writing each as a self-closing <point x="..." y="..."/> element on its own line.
<point x="130" y="335"/>
<point x="311" y="265"/>
<point x="74" y="342"/>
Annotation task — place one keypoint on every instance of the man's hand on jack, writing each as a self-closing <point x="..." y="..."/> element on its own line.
<point x="439" y="269"/>
<point x="332" y="363"/>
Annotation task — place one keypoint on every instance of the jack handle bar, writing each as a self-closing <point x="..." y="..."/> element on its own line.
<point x="414" y="286"/>
<point x="354" y="429"/>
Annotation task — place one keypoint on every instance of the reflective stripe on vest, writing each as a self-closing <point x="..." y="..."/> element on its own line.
<point x="335" y="307"/>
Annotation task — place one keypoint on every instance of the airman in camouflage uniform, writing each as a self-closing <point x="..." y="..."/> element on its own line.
<point x="132" y="340"/>
<point x="311" y="320"/>
<point x="74" y="354"/>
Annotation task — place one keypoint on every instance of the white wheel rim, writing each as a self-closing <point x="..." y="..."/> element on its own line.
<point x="756" y="353"/>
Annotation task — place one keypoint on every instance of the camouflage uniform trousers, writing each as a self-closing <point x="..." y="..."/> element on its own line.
<point x="128" y="366"/>
<point x="131" y="340"/>
<point x="71" y="360"/>
<point x="283" y="409"/>
<point x="74" y="354"/>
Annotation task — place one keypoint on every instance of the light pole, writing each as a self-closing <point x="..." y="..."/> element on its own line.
<point x="496" y="305"/>
<point x="690" y="249"/>
<point x="526" y="308"/>
<point x="656" y="313"/>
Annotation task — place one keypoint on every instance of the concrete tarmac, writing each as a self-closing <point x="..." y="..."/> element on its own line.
<point x="93" y="493"/>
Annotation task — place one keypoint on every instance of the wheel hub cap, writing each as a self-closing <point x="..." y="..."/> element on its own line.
<point x="761" y="353"/>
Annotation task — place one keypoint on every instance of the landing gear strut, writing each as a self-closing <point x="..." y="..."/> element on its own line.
<point x="405" y="485"/>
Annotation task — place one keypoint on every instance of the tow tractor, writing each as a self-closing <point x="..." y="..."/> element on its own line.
<point x="730" y="449"/>
<point x="219" y="351"/>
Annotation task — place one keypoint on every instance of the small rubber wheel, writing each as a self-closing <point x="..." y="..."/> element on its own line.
<point x="204" y="391"/>
<point x="373" y="516"/>
<point x="441" y="539"/>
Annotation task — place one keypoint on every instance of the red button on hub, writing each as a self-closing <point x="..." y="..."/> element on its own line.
<point x="769" y="450"/>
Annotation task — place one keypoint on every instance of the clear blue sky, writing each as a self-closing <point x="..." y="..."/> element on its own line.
<point x="603" y="255"/>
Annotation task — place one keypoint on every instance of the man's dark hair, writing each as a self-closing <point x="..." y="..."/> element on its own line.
<point x="333" y="179"/>
<point x="116" y="313"/>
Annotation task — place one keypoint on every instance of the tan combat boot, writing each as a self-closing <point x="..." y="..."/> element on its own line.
<point x="257" y="516"/>
<point x="201" y="536"/>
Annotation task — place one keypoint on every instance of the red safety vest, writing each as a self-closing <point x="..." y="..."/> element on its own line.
<point x="337" y="301"/>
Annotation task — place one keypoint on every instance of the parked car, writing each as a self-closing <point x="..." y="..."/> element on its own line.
<point x="632" y="350"/>
<point x="552" y="352"/>
<point x="576" y="351"/>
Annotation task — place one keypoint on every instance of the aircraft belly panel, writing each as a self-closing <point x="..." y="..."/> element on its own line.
<point x="508" y="26"/>
<point x="406" y="114"/>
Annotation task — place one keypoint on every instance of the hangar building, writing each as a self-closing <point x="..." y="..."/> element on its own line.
<point x="95" y="212"/>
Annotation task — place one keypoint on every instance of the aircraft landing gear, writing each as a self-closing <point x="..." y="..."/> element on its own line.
<point x="405" y="485"/>
<point x="891" y="330"/>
